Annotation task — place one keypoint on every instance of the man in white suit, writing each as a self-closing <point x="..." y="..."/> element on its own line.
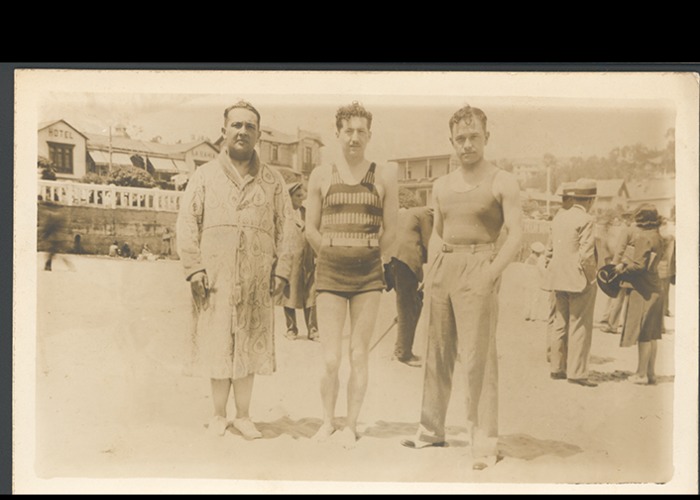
<point x="572" y="272"/>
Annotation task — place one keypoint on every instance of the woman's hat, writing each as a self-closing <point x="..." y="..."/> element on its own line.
<point x="609" y="280"/>
<point x="646" y="216"/>
<point x="537" y="247"/>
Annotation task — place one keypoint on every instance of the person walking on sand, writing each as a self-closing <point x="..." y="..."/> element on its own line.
<point x="473" y="205"/>
<point x="572" y="274"/>
<point x="636" y="262"/>
<point x="302" y="291"/>
<point x="351" y="224"/>
<point x="230" y="238"/>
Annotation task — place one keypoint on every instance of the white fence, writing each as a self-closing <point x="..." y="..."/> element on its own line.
<point x="103" y="196"/>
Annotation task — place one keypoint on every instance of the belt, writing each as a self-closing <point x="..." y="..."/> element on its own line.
<point x="474" y="248"/>
<point x="352" y="242"/>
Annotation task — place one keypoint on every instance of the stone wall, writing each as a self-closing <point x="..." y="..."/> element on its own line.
<point x="99" y="227"/>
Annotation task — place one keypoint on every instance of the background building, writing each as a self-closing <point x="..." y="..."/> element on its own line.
<point x="75" y="154"/>
<point x="417" y="173"/>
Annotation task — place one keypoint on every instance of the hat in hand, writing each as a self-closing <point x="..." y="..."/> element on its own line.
<point x="609" y="280"/>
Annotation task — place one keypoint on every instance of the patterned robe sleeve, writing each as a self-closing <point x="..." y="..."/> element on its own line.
<point x="189" y="226"/>
<point x="284" y="231"/>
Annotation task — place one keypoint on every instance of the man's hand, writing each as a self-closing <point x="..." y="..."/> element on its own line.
<point x="620" y="268"/>
<point x="389" y="277"/>
<point x="199" y="284"/>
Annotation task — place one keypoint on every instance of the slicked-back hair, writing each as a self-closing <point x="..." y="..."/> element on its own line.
<point x="347" y="112"/>
<point x="243" y="105"/>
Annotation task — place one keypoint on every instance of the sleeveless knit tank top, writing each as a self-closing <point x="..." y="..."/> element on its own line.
<point x="475" y="215"/>
<point x="352" y="210"/>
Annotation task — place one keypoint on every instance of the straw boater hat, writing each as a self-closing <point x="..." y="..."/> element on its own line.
<point x="609" y="280"/>
<point x="566" y="189"/>
<point x="647" y="217"/>
<point x="584" y="188"/>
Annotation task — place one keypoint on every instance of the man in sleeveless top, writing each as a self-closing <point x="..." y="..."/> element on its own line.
<point x="351" y="217"/>
<point x="472" y="204"/>
<point x="572" y="273"/>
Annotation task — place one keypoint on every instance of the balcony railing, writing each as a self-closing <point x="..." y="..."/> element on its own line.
<point x="103" y="196"/>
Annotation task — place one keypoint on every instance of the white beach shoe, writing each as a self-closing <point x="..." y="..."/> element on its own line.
<point x="217" y="426"/>
<point x="246" y="427"/>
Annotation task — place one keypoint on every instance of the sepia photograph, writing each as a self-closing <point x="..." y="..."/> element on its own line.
<point x="355" y="282"/>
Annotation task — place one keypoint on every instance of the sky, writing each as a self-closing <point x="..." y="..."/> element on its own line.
<point x="402" y="126"/>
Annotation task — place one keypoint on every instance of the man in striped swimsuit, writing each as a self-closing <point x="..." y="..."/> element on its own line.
<point x="351" y="215"/>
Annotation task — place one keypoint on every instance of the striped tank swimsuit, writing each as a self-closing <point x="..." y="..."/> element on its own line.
<point x="349" y="260"/>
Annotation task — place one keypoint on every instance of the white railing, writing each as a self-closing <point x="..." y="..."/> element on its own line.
<point x="536" y="226"/>
<point x="103" y="196"/>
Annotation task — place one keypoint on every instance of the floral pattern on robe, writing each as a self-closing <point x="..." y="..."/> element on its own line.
<point x="234" y="229"/>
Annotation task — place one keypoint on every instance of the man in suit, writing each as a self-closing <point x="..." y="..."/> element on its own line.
<point x="565" y="191"/>
<point x="405" y="273"/>
<point x="573" y="279"/>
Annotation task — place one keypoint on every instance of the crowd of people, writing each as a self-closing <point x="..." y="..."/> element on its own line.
<point x="249" y="242"/>
<point x="125" y="251"/>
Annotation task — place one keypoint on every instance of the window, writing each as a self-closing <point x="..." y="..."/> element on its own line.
<point x="308" y="156"/>
<point x="274" y="153"/>
<point x="198" y="163"/>
<point x="61" y="155"/>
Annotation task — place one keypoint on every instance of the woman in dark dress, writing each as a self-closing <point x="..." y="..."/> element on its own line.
<point x="637" y="260"/>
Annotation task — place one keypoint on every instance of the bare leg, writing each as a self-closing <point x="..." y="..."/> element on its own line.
<point x="643" y="362"/>
<point x="651" y="370"/>
<point x="220" y="388"/>
<point x="331" y="311"/>
<point x="363" y="316"/>
<point x="242" y="393"/>
<point x="640" y="377"/>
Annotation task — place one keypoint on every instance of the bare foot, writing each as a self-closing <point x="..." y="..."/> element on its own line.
<point x="323" y="433"/>
<point x="347" y="438"/>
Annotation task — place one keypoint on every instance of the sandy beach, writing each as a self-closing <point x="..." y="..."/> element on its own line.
<point x="113" y="399"/>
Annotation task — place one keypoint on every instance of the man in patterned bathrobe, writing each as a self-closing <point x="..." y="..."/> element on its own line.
<point x="230" y="233"/>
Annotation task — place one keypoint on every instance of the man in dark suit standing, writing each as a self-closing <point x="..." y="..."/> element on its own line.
<point x="405" y="273"/>
<point x="573" y="278"/>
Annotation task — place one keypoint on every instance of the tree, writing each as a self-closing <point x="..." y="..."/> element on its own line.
<point x="48" y="172"/>
<point x="130" y="176"/>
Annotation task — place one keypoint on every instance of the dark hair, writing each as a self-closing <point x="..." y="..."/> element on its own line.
<point x="347" y="112"/>
<point x="244" y="105"/>
<point x="467" y="113"/>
